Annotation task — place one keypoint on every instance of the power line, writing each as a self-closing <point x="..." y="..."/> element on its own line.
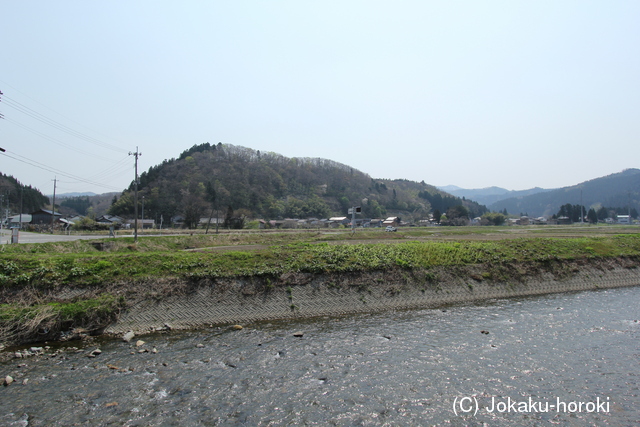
<point x="54" y="140"/>
<point x="54" y="170"/>
<point x="29" y="112"/>
<point x="120" y="166"/>
<point x="57" y="125"/>
<point x="114" y="147"/>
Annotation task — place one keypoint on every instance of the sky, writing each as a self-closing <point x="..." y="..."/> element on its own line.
<point x="507" y="93"/>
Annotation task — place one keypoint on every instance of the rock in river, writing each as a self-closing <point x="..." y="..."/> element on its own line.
<point x="128" y="336"/>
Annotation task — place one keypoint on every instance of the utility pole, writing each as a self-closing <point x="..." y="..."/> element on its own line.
<point x="53" y="205"/>
<point x="353" y="211"/>
<point x="142" y="215"/>
<point x="21" y="200"/>
<point x="135" y="203"/>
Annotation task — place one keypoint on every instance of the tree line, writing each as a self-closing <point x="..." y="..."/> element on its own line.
<point x="17" y="197"/>
<point x="592" y="215"/>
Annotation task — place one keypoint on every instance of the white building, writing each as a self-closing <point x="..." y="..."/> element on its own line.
<point x="624" y="219"/>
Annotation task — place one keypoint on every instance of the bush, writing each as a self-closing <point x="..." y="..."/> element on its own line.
<point x="87" y="224"/>
<point x="493" y="219"/>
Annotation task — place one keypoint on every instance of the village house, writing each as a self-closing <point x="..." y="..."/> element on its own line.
<point x="337" y="221"/>
<point x="15" y="221"/>
<point x="110" y="220"/>
<point x="392" y="221"/>
<point x="43" y="216"/>
<point x="376" y="222"/>
<point x="290" y="223"/>
<point x="177" y="221"/>
<point x="539" y="221"/>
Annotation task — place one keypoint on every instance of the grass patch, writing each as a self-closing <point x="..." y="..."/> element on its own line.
<point x="46" y="270"/>
<point x="20" y="323"/>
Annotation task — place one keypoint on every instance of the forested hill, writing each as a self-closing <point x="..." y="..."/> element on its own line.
<point x="268" y="185"/>
<point x="16" y="194"/>
<point x="611" y="191"/>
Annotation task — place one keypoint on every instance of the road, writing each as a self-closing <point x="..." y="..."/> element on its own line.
<point x="27" y="237"/>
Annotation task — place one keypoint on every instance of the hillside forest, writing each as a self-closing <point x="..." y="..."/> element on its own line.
<point x="14" y="195"/>
<point x="242" y="182"/>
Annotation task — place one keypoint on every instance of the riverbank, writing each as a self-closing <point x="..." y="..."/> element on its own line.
<point x="303" y="295"/>
<point x="94" y="289"/>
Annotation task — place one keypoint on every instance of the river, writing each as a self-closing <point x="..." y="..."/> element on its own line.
<point x="570" y="359"/>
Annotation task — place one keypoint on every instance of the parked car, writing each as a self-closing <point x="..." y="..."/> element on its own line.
<point x="390" y="228"/>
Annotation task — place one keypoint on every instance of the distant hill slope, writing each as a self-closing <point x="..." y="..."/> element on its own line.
<point x="489" y="195"/>
<point x="16" y="194"/>
<point x="269" y="185"/>
<point x="69" y="195"/>
<point x="91" y="204"/>
<point x="615" y="190"/>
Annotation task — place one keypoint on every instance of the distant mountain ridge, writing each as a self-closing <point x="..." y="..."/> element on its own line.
<point x="489" y="195"/>
<point x="615" y="190"/>
<point x="612" y="191"/>
<point x="77" y="194"/>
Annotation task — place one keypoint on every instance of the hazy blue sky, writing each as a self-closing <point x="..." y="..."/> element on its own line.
<point x="472" y="93"/>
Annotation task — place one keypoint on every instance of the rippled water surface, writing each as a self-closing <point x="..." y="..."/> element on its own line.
<point x="393" y="368"/>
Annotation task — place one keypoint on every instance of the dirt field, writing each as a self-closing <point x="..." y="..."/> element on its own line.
<point x="487" y="233"/>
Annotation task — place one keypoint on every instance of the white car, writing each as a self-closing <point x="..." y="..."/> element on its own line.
<point x="390" y="228"/>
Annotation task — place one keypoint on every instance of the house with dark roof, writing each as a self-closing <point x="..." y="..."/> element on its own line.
<point x="109" y="219"/>
<point x="44" y="216"/>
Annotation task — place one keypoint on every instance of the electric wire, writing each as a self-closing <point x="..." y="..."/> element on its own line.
<point x="97" y="141"/>
<point x="54" y="170"/>
<point x="114" y="170"/>
<point x="43" y="119"/>
<point x="54" y="140"/>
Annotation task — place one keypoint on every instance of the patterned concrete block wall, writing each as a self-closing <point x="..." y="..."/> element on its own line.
<point x="242" y="300"/>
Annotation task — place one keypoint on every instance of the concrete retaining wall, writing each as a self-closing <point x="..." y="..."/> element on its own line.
<point x="245" y="300"/>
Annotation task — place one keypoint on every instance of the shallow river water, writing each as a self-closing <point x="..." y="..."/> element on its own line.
<point x="568" y="359"/>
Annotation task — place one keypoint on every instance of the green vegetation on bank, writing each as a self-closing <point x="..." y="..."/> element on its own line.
<point x="38" y="270"/>
<point x="43" y="270"/>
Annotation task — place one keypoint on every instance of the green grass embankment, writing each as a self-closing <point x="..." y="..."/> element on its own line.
<point x="32" y="276"/>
